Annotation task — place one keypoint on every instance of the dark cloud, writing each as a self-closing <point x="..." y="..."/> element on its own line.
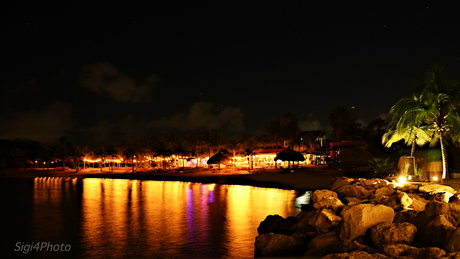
<point x="132" y="128"/>
<point x="127" y="128"/>
<point x="203" y="115"/>
<point x="310" y="123"/>
<point x="46" y="125"/>
<point x="106" y="78"/>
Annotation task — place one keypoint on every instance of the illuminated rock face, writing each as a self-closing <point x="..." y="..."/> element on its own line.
<point x="369" y="218"/>
<point x="392" y="233"/>
<point x="436" y="188"/>
<point x="318" y="195"/>
<point x="353" y="191"/>
<point x="359" y="218"/>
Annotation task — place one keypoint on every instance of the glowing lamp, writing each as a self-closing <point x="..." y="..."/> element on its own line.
<point x="435" y="178"/>
<point x="402" y="179"/>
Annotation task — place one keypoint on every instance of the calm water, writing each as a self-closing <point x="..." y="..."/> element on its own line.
<point x="132" y="218"/>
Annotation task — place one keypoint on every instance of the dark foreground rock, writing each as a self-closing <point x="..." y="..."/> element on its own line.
<point x="368" y="218"/>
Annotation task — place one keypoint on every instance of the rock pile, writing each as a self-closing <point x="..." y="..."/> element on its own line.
<point x="368" y="218"/>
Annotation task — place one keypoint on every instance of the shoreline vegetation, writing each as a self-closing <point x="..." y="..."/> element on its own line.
<point x="301" y="179"/>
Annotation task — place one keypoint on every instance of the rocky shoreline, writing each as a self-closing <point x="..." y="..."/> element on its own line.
<point x="368" y="218"/>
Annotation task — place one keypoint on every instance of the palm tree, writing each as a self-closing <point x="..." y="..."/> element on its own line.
<point x="216" y="139"/>
<point x="251" y="142"/>
<point x="435" y="107"/>
<point x="100" y="153"/>
<point x="274" y="130"/>
<point x="289" y="127"/>
<point x="61" y="150"/>
<point x="411" y="135"/>
<point x="234" y="147"/>
<point x="113" y="152"/>
<point x="340" y="119"/>
<point x="194" y="140"/>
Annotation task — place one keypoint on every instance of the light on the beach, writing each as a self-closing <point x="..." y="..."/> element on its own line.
<point x="402" y="179"/>
<point x="435" y="178"/>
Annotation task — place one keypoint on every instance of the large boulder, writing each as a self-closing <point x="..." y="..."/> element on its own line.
<point x="332" y="203"/>
<point x="358" y="219"/>
<point x="384" y="195"/>
<point x="427" y="253"/>
<point x="353" y="201"/>
<point x="408" y="187"/>
<point x="353" y="191"/>
<point x="303" y="225"/>
<point x="405" y="200"/>
<point x="455" y="213"/>
<point x="438" y="231"/>
<point x="276" y="224"/>
<point x="304" y="213"/>
<point x="418" y="203"/>
<point x="397" y="233"/>
<point x="436" y="208"/>
<point x="406" y="251"/>
<point x="436" y="188"/>
<point x="418" y="218"/>
<point x="455" y="198"/>
<point x="384" y="191"/>
<point x="396" y="250"/>
<point x="324" y="244"/>
<point x="374" y="182"/>
<point x="318" y="195"/>
<point x="339" y="182"/>
<point x="325" y="219"/>
<point x="354" y="245"/>
<point x="453" y="243"/>
<point x="443" y="196"/>
<point x="356" y="255"/>
<point x="272" y="244"/>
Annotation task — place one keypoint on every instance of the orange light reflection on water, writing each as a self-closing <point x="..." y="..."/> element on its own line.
<point x="247" y="207"/>
<point x="131" y="218"/>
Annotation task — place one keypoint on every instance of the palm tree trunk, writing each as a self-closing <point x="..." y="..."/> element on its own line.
<point x="444" y="157"/>
<point x="249" y="165"/>
<point x="276" y="164"/>
<point x="412" y="150"/>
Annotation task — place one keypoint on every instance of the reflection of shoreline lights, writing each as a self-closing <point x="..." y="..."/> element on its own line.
<point x="211" y="186"/>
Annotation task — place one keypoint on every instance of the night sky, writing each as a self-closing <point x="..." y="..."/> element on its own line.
<point x="98" y="74"/>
